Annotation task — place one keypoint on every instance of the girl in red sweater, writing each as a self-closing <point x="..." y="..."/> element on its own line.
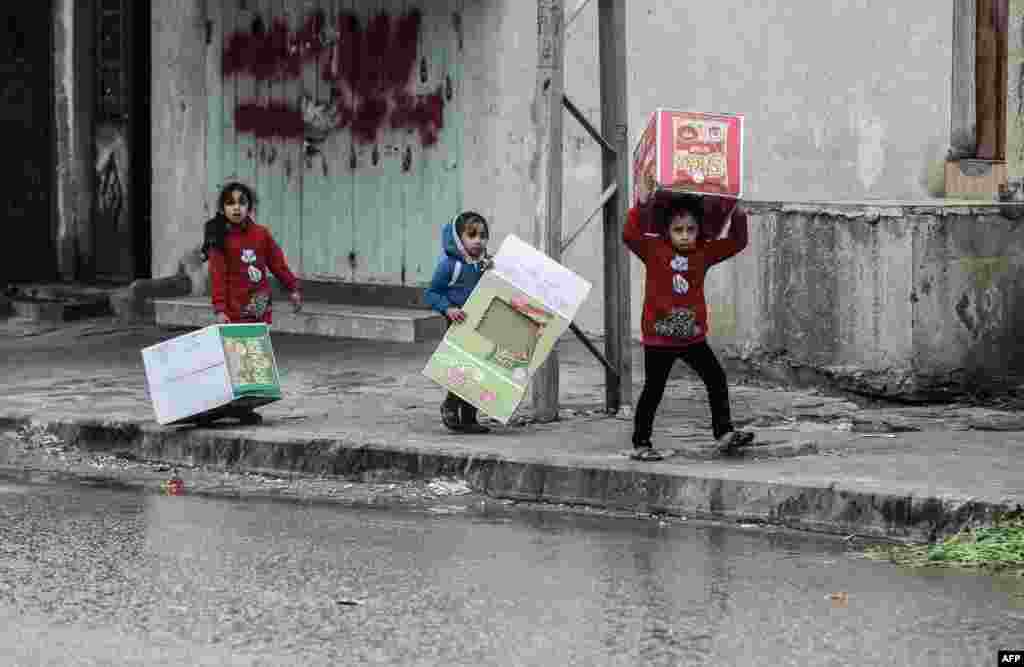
<point x="242" y="254"/>
<point x="671" y="239"/>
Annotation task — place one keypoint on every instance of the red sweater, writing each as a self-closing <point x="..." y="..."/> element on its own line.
<point x="675" y="314"/>
<point x="238" y="276"/>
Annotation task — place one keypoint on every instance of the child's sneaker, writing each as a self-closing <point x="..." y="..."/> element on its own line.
<point x="475" y="427"/>
<point x="643" y="450"/>
<point x="450" y="417"/>
<point x="249" y="418"/>
<point x="469" y="421"/>
<point x="733" y="440"/>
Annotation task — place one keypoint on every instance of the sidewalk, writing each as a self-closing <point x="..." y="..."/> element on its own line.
<point x="363" y="408"/>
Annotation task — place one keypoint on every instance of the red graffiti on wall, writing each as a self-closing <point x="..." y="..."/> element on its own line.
<point x="370" y="70"/>
<point x="273" y="120"/>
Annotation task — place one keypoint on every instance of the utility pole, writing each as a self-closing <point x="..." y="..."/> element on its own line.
<point x="611" y="37"/>
<point x="547" y="127"/>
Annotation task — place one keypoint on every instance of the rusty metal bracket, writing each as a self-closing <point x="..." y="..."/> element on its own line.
<point x="593" y="350"/>
<point x="605" y="196"/>
<point x="591" y="130"/>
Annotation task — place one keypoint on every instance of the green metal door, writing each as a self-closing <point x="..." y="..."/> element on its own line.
<point x="345" y="115"/>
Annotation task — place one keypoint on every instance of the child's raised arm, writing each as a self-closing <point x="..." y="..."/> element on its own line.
<point x="635" y="238"/>
<point x="722" y="249"/>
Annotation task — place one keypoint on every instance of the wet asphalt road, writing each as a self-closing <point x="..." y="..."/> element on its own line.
<point x="93" y="575"/>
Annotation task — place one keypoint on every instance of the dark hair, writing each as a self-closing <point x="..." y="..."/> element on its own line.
<point x="466" y="218"/>
<point x="217" y="227"/>
<point x="660" y="211"/>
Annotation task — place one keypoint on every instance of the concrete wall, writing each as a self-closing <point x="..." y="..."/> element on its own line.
<point x="902" y="301"/>
<point x="179" y="132"/>
<point x="846" y="99"/>
<point x="500" y="74"/>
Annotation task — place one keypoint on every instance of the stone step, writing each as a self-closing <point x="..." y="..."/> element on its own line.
<point x="56" y="302"/>
<point x="59" y="309"/>
<point x="385" y="323"/>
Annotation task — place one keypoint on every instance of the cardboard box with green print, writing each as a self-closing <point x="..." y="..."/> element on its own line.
<point x="203" y="371"/>
<point x="514" y="318"/>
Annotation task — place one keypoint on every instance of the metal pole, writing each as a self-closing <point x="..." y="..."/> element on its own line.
<point x="611" y="33"/>
<point x="547" y="114"/>
<point x="590" y="346"/>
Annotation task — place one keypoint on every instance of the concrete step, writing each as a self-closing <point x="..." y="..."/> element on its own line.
<point x="59" y="310"/>
<point x="385" y="323"/>
<point x="57" y="302"/>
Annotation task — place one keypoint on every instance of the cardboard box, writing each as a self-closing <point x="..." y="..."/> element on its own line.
<point x="514" y="317"/>
<point x="214" y="367"/>
<point x="689" y="152"/>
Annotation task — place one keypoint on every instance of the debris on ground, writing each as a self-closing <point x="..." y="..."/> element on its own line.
<point x="37" y="435"/>
<point x="441" y="487"/>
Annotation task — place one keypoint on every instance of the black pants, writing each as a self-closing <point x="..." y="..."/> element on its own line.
<point x="658" y="363"/>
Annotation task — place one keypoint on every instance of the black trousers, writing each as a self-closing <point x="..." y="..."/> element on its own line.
<point x="658" y="363"/>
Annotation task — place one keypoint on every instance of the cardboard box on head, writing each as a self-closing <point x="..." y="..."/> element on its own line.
<point x="215" y="367"/>
<point x="514" y="317"/>
<point x="689" y="153"/>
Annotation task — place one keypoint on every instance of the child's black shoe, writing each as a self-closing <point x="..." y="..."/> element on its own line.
<point x="450" y="417"/>
<point x="475" y="427"/>
<point x="734" y="440"/>
<point x="249" y="418"/>
<point x="469" y="420"/>
<point x="646" y="454"/>
<point x="643" y="450"/>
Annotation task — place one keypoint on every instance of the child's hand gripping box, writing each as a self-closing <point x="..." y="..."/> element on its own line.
<point x="689" y="152"/>
<point x="514" y="317"/>
<point x="215" y="367"/>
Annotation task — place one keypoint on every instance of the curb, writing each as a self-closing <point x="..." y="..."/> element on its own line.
<point x="619" y="486"/>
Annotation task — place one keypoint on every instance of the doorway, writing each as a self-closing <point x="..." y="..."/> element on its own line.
<point x="122" y="211"/>
<point x="26" y="123"/>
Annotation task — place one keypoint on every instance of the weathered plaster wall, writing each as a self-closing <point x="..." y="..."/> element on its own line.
<point x="969" y="299"/>
<point x="500" y="74"/>
<point x="845" y="99"/>
<point x="179" y="132"/>
<point x="908" y="301"/>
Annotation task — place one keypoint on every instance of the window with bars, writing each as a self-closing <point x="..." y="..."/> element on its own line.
<point x="111" y="49"/>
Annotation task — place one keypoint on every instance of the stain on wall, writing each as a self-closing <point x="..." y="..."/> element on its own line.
<point x="112" y="226"/>
<point x="370" y="69"/>
<point x="111" y="158"/>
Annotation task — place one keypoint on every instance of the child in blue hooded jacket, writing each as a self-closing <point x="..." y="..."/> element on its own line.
<point x="463" y="261"/>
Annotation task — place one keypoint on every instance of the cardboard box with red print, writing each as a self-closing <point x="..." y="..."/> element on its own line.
<point x="689" y="152"/>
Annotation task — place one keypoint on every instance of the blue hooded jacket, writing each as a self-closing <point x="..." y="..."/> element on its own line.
<point x="455" y="276"/>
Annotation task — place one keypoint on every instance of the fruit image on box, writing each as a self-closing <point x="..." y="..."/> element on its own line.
<point x="689" y="152"/>
<point x="203" y="371"/>
<point x="514" y="317"/>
